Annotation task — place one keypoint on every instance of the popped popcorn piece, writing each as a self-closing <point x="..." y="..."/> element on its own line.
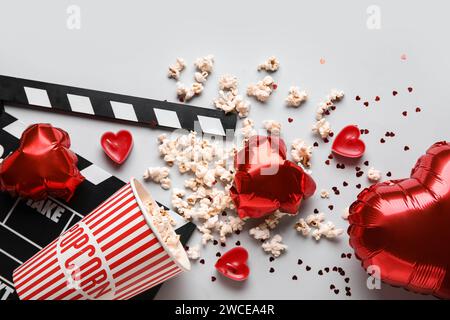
<point x="184" y="93"/>
<point x="193" y="252"/>
<point x="315" y="219"/>
<point x="326" y="229"/>
<point x="296" y="97"/>
<point x="247" y="129"/>
<point x="373" y="174"/>
<point x="324" y="194"/>
<point x="301" y="152"/>
<point x="165" y="183"/>
<point x="322" y="127"/>
<point x="229" y="101"/>
<point x="303" y="227"/>
<point x="262" y="89"/>
<point x="226" y="101"/>
<point x="272" y="127"/>
<point x="271" y="65"/>
<point x="242" y="106"/>
<point x="206" y="237"/>
<point x="274" y="246"/>
<point x="261" y="232"/>
<point x="228" y="82"/>
<point x="205" y="64"/>
<point x="197" y="88"/>
<point x="201" y="77"/>
<point x="158" y="175"/>
<point x="345" y="213"/>
<point x="175" y="70"/>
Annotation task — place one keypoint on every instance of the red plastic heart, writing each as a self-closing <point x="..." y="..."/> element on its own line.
<point x="400" y="228"/>
<point x="233" y="264"/>
<point x="118" y="145"/>
<point x="348" y="144"/>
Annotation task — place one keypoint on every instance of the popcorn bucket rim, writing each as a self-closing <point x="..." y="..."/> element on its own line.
<point x="183" y="262"/>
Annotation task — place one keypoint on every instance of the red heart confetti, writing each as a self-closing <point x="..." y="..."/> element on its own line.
<point x="348" y="144"/>
<point x="117" y="146"/>
<point x="233" y="264"/>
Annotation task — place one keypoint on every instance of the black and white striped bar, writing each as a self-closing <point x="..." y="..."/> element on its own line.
<point x="112" y="106"/>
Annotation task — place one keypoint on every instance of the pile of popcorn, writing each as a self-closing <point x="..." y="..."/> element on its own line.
<point x="211" y="178"/>
<point x="316" y="225"/>
<point x="322" y="126"/>
<point x="164" y="223"/>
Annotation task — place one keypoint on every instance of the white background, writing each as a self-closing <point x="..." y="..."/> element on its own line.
<point x="126" y="47"/>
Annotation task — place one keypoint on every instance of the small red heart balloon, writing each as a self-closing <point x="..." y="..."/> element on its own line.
<point x="233" y="264"/>
<point x="118" y="145"/>
<point x="42" y="166"/>
<point x="402" y="227"/>
<point x="348" y="144"/>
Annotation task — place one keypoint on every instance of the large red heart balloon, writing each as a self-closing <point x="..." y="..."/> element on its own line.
<point x="348" y="143"/>
<point x="403" y="226"/>
<point x="42" y="166"/>
<point x="233" y="264"/>
<point x="117" y="145"/>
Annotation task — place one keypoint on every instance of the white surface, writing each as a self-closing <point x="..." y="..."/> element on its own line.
<point x="126" y="48"/>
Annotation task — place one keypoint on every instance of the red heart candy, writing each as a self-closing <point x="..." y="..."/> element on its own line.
<point x="402" y="226"/>
<point x="348" y="144"/>
<point x="117" y="146"/>
<point x="233" y="264"/>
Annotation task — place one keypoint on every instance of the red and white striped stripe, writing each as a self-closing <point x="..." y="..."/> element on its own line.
<point x="113" y="245"/>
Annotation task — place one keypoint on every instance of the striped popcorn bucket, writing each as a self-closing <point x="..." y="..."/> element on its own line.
<point x="114" y="253"/>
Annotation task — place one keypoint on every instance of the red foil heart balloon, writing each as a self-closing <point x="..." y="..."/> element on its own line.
<point x="348" y="144"/>
<point x="117" y="146"/>
<point x="233" y="264"/>
<point x="42" y="166"/>
<point x="403" y="226"/>
<point x="265" y="181"/>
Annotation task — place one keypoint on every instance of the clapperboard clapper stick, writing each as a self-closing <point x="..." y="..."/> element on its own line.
<point x="116" y="107"/>
<point x="27" y="226"/>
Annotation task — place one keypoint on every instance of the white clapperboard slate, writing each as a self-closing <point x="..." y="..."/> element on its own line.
<point x="24" y="230"/>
